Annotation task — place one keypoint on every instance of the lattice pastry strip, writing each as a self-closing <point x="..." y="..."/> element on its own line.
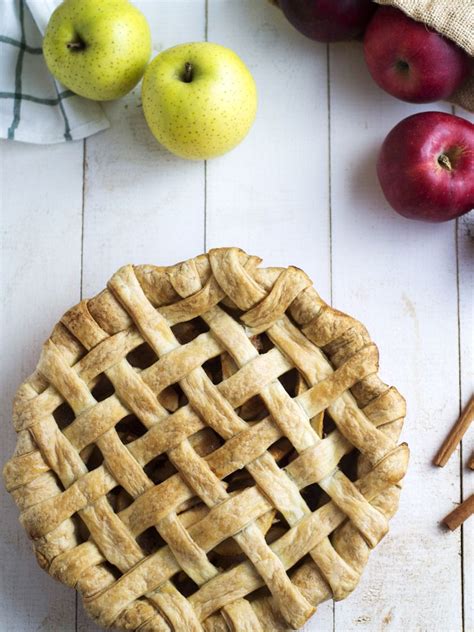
<point x="237" y="302"/>
<point x="218" y="414"/>
<point x="85" y="340"/>
<point x="295" y="439"/>
<point x="276" y="398"/>
<point x="190" y="557"/>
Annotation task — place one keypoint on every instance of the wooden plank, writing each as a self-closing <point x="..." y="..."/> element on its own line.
<point x="465" y="236"/>
<point x="142" y="205"/>
<point x="466" y="321"/>
<point x="270" y="195"/>
<point x="40" y="268"/>
<point x="399" y="278"/>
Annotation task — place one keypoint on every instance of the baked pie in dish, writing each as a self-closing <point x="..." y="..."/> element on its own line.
<point x="207" y="446"/>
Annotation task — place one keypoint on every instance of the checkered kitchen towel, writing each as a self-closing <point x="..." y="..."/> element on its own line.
<point x="35" y="108"/>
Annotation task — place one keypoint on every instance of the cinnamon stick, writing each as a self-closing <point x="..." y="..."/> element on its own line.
<point x="455" y="436"/>
<point x="470" y="463"/>
<point x="460" y="514"/>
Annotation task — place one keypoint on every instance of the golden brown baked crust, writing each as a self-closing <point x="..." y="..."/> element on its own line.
<point x="182" y="448"/>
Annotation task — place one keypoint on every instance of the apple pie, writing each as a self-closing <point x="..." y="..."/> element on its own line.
<point x="207" y="446"/>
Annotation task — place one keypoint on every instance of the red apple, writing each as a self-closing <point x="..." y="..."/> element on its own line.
<point x="410" y="61"/>
<point x="328" y="20"/>
<point x="426" y="167"/>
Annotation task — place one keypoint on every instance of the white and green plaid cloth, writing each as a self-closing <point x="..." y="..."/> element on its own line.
<point x="34" y="108"/>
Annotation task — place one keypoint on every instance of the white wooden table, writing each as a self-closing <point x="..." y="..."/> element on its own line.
<point x="300" y="190"/>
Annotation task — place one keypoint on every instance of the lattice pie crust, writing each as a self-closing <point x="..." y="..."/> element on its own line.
<point x="207" y="446"/>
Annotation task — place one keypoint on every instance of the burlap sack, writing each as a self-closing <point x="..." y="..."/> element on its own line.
<point x="455" y="20"/>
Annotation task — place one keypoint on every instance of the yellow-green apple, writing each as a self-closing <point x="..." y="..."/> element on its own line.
<point x="199" y="99"/>
<point x="328" y="20"/>
<point x="410" y="61"/>
<point x="97" y="48"/>
<point x="426" y="166"/>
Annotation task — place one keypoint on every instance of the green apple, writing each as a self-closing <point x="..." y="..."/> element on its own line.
<point x="199" y="99"/>
<point x="97" y="48"/>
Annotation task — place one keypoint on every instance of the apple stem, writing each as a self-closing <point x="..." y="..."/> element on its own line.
<point x="188" y="72"/>
<point x="443" y="161"/>
<point x="76" y="46"/>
